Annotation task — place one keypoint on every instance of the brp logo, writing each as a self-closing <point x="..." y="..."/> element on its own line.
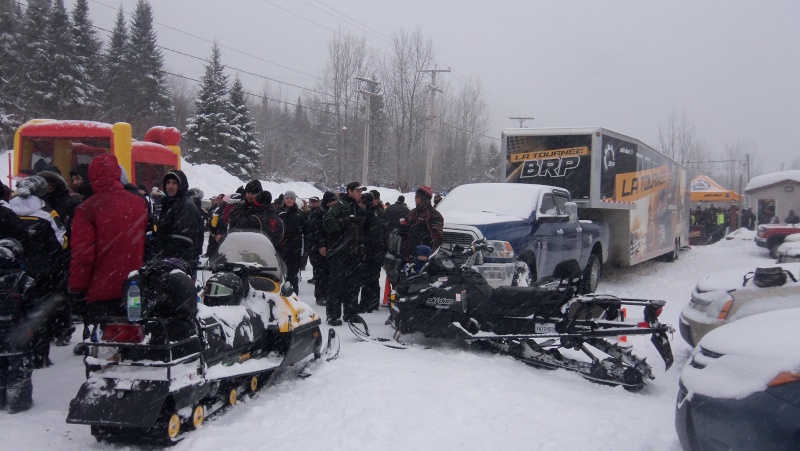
<point x="608" y="157"/>
<point x="700" y="185"/>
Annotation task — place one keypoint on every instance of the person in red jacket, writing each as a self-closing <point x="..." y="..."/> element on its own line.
<point x="108" y="235"/>
<point x="423" y="225"/>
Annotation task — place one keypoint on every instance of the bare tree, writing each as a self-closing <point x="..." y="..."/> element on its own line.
<point x="679" y="141"/>
<point x="404" y="88"/>
<point x="347" y="59"/>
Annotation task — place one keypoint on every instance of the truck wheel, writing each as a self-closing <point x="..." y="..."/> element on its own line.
<point x="773" y="251"/>
<point x="591" y="276"/>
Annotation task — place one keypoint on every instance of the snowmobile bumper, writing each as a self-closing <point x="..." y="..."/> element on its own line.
<point x="111" y="402"/>
<point x="305" y="340"/>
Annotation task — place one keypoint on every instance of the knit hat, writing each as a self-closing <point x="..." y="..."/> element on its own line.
<point x="313" y="199"/>
<point x="253" y="186"/>
<point x="375" y="193"/>
<point x="401" y="199"/>
<point x="32" y="185"/>
<point x="328" y="197"/>
<point x="425" y="191"/>
<point x="263" y="199"/>
<point x="290" y="194"/>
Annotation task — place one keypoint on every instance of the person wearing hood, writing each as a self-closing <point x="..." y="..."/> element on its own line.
<point x="16" y="365"/>
<point x="180" y="224"/>
<point x="59" y="198"/>
<point x="108" y="240"/>
<point x="79" y="176"/>
<point x="45" y="260"/>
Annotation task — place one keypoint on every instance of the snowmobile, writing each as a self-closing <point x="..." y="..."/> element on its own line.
<point x="546" y="325"/>
<point x="150" y="378"/>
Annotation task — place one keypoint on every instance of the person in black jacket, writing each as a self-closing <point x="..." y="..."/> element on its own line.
<point x="316" y="242"/>
<point x="395" y="212"/>
<point x="247" y="207"/>
<point x="215" y="223"/>
<point x="375" y="246"/>
<point x="16" y="360"/>
<point x="344" y="225"/>
<point x="262" y="217"/>
<point x="294" y="226"/>
<point x="180" y="224"/>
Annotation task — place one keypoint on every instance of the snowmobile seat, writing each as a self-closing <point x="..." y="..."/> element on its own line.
<point x="523" y="302"/>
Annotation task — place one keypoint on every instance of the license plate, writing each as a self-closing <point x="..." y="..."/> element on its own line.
<point x="549" y="328"/>
<point x="124" y="384"/>
<point x="494" y="275"/>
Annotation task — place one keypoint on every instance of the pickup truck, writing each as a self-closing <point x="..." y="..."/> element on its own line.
<point x="532" y="228"/>
<point x="771" y="236"/>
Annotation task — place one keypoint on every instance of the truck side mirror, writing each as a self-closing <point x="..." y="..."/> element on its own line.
<point x="571" y="209"/>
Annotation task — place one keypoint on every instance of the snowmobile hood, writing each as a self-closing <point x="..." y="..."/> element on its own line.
<point x="104" y="173"/>
<point x="26" y="206"/>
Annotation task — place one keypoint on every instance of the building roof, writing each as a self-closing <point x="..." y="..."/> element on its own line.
<point x="775" y="178"/>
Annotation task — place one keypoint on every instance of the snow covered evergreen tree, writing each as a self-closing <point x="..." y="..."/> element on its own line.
<point x="243" y="142"/>
<point x="10" y="69"/>
<point x="33" y="57"/>
<point x="87" y="58"/>
<point x="207" y="130"/>
<point x="149" y="101"/>
<point x="59" y="89"/>
<point x="114" y="85"/>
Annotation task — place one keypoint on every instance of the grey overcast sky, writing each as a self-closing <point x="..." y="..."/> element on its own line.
<point x="732" y="66"/>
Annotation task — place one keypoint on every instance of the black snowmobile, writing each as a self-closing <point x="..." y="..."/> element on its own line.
<point x="545" y="326"/>
<point x="183" y="361"/>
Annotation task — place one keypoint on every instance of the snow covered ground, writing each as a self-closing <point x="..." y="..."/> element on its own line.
<point x="447" y="397"/>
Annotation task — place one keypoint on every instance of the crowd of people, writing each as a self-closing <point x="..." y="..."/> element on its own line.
<point x="67" y="249"/>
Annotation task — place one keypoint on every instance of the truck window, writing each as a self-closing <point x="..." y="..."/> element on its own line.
<point x="548" y="205"/>
<point x="561" y="200"/>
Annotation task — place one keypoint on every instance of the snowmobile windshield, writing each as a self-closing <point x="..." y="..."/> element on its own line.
<point x="250" y="247"/>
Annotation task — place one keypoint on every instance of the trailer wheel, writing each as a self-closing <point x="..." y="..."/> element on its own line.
<point x="232" y="395"/>
<point x="253" y="383"/>
<point x="676" y="250"/>
<point x="591" y="275"/>
<point x="198" y="417"/>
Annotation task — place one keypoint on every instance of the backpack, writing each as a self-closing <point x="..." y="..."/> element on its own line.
<point x="768" y="277"/>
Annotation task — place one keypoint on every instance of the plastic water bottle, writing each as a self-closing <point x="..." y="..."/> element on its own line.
<point x="134" y="302"/>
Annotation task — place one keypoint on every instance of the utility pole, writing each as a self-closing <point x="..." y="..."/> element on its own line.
<point x="432" y="115"/>
<point x="521" y="120"/>
<point x="371" y="85"/>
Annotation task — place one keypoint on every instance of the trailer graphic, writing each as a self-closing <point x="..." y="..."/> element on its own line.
<point x="641" y="194"/>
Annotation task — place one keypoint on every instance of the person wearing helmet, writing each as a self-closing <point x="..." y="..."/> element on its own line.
<point x="16" y="360"/>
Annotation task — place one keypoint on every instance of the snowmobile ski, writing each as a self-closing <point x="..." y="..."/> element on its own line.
<point x="363" y="335"/>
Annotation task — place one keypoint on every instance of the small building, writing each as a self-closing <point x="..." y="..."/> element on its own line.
<point x="774" y="195"/>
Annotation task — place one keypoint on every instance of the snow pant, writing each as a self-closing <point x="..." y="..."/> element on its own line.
<point x="370" y="284"/>
<point x="293" y="270"/>
<point x="321" y="277"/>
<point x="16" y="386"/>
<point x="213" y="245"/>
<point x="343" y="287"/>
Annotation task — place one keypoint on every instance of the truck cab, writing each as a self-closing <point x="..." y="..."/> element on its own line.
<point x="532" y="229"/>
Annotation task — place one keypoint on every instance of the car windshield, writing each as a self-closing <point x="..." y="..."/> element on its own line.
<point x="248" y="247"/>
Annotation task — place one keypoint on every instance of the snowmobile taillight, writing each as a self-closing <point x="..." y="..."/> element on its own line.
<point x="123" y="333"/>
<point x="643" y="325"/>
<point x="725" y="310"/>
<point x="784" y="377"/>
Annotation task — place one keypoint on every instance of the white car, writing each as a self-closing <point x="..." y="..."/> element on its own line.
<point x="725" y="296"/>
<point x="789" y="251"/>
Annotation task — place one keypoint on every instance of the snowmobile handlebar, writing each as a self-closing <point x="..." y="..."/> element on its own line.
<point x="249" y="269"/>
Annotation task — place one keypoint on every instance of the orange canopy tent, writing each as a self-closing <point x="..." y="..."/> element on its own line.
<point x="706" y="190"/>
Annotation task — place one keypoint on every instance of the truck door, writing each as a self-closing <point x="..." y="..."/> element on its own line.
<point x="572" y="237"/>
<point x="549" y="236"/>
